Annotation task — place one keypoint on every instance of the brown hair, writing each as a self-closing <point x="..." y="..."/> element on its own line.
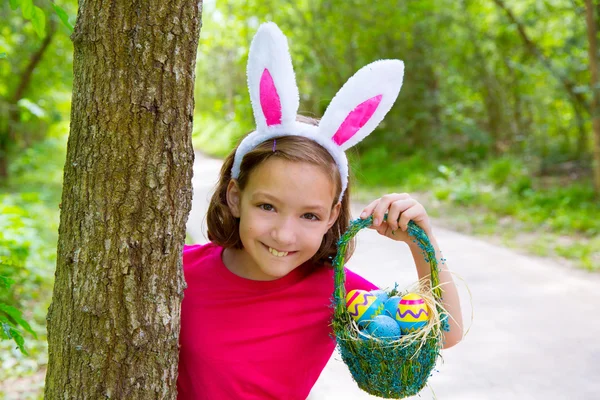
<point x="223" y="227"/>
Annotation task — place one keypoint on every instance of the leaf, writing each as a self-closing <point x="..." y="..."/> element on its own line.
<point x="2" y="55"/>
<point x="27" y="8"/>
<point x="64" y="17"/>
<point x="6" y="331"/>
<point x="581" y="89"/>
<point x="5" y="281"/>
<point x="14" y="4"/>
<point x="19" y="340"/>
<point x="39" y="21"/>
<point x="32" y="108"/>
<point x="15" y="315"/>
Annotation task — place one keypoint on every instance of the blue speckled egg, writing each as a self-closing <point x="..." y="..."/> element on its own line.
<point x="381" y="295"/>
<point x="384" y="327"/>
<point x="391" y="306"/>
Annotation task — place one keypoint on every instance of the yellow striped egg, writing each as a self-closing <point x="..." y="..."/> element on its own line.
<point x="363" y="305"/>
<point x="412" y="313"/>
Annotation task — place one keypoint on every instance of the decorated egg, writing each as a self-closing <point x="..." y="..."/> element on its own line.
<point x="384" y="327"/>
<point x="381" y="294"/>
<point x="391" y="306"/>
<point x="363" y="305"/>
<point x="412" y="313"/>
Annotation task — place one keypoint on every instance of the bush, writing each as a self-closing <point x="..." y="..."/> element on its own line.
<point x="29" y="218"/>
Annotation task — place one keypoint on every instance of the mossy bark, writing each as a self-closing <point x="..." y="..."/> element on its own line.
<point x="113" y="325"/>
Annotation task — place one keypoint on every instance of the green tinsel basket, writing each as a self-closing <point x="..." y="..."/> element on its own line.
<point x="389" y="369"/>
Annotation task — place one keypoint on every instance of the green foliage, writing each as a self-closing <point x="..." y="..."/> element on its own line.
<point x="472" y="89"/>
<point x="64" y="17"/>
<point x="38" y="19"/>
<point x="216" y="137"/>
<point x="506" y="187"/>
<point x="33" y="13"/>
<point x="37" y="16"/>
<point x="502" y="170"/>
<point x="588" y="254"/>
<point x="29" y="216"/>
<point x="502" y="198"/>
<point x="11" y="320"/>
<point x="14" y="250"/>
<point x="398" y="171"/>
<point x="33" y="95"/>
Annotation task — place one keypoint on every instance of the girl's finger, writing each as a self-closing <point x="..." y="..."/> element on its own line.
<point x="369" y="209"/>
<point x="384" y="204"/>
<point x="411" y="214"/>
<point x="396" y="209"/>
<point x="382" y="228"/>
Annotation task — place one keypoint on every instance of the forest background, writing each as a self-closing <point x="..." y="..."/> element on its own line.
<point x="492" y="130"/>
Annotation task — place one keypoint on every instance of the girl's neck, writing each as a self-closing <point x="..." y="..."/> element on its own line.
<point x="237" y="262"/>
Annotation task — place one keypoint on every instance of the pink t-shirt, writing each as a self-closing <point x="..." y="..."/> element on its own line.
<point x="245" y="339"/>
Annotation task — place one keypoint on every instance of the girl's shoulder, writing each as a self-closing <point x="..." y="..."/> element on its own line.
<point x="189" y="248"/>
<point x="201" y="264"/>
<point x="196" y="253"/>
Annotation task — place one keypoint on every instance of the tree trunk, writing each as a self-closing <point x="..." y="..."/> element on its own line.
<point x="595" y="107"/>
<point x="113" y="325"/>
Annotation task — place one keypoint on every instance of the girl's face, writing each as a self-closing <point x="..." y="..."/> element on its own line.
<point x="285" y="210"/>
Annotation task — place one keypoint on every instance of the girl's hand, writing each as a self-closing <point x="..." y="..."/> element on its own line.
<point x="400" y="208"/>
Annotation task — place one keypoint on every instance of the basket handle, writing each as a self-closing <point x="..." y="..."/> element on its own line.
<point x="420" y="237"/>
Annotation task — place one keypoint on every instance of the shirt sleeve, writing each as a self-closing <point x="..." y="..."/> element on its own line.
<point x="355" y="281"/>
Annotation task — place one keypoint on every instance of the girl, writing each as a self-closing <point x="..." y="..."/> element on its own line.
<point x="256" y="313"/>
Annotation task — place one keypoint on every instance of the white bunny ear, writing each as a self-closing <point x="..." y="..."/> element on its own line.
<point x="360" y="105"/>
<point x="271" y="80"/>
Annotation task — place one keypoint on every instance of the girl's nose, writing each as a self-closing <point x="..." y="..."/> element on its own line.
<point x="283" y="232"/>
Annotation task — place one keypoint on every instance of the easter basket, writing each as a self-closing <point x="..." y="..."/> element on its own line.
<point x="384" y="367"/>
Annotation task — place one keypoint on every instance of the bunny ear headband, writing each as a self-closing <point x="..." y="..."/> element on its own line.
<point x="355" y="111"/>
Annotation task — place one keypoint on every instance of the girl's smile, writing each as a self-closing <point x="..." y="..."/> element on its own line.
<point x="285" y="210"/>
<point x="281" y="253"/>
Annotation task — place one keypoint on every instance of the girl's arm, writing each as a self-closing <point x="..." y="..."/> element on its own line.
<point x="402" y="208"/>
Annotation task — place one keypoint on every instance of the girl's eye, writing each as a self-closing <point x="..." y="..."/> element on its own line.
<point x="266" y="207"/>
<point x="311" y="217"/>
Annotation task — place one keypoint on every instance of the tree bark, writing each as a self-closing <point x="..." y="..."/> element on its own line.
<point x="595" y="107"/>
<point x="113" y="325"/>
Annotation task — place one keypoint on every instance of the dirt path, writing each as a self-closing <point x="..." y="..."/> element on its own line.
<point x="535" y="331"/>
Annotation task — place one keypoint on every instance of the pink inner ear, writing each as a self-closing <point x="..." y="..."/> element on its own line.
<point x="269" y="99"/>
<point x="356" y="119"/>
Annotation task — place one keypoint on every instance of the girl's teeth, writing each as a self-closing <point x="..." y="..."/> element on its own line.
<point x="278" y="253"/>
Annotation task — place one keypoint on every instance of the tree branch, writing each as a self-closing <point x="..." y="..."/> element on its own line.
<point x="33" y="62"/>
<point x="534" y="49"/>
